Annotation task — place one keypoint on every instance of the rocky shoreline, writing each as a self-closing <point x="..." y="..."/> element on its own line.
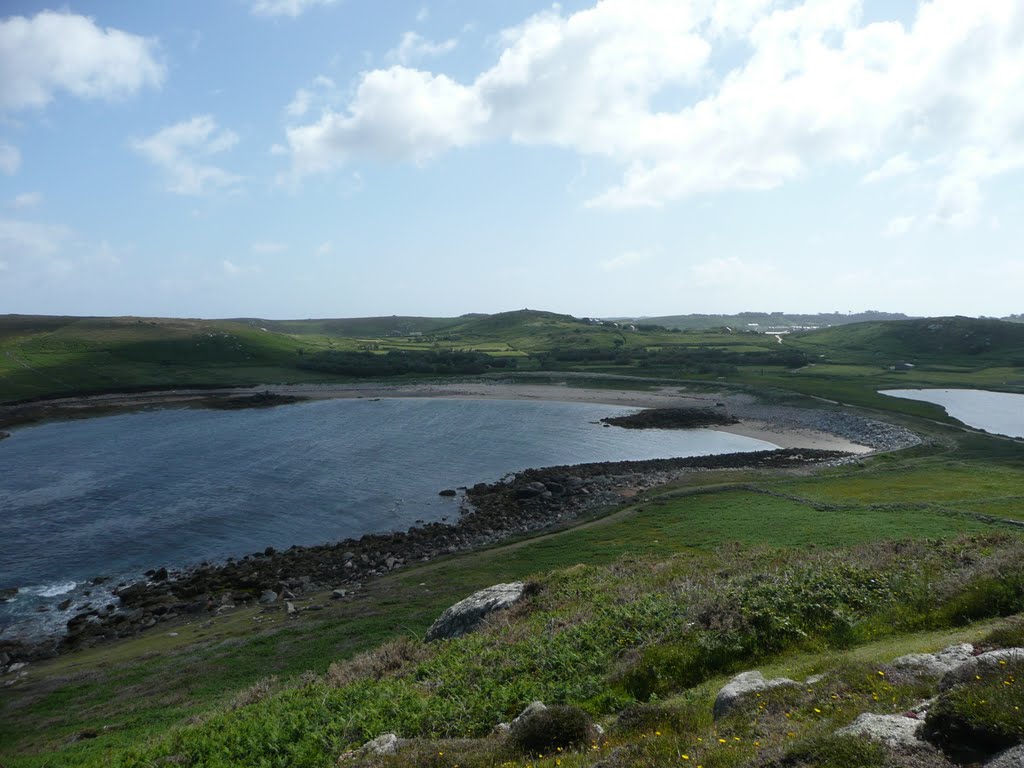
<point x="524" y="502"/>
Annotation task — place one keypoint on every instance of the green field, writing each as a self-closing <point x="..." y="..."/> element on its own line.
<point x="656" y="603"/>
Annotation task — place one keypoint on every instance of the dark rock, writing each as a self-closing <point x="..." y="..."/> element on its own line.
<point x="447" y="492"/>
<point x="160" y="574"/>
<point x="63" y="605"/>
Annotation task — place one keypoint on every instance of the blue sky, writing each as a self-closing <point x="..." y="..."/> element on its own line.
<point x="319" y="158"/>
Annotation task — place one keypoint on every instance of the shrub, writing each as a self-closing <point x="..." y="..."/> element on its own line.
<point x="986" y="596"/>
<point x="389" y="659"/>
<point x="559" y="727"/>
<point x="1010" y="635"/>
<point x="256" y="692"/>
<point x="984" y="715"/>
<point x="647" y="717"/>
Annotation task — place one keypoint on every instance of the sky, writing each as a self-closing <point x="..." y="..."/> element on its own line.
<point x="344" y="158"/>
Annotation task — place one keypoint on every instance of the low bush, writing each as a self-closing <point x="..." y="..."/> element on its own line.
<point x="984" y="715"/>
<point x="553" y="729"/>
<point x="1009" y="635"/>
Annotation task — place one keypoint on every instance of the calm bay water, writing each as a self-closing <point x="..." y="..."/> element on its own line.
<point x="115" y="496"/>
<point x="999" y="412"/>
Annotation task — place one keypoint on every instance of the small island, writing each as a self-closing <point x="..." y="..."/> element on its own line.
<point x="672" y="418"/>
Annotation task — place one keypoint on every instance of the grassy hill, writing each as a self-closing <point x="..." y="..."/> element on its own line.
<point x="55" y="356"/>
<point x="947" y="341"/>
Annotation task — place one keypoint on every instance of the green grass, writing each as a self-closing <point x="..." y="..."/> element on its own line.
<point x="723" y="525"/>
<point x="145" y="691"/>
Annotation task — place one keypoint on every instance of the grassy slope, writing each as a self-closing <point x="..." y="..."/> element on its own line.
<point x="144" y="686"/>
<point x="144" y="693"/>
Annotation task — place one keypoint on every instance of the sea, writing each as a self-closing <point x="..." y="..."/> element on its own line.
<point x="111" y="497"/>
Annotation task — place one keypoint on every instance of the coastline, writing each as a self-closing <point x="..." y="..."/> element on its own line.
<point x="527" y="502"/>
<point x="784" y="435"/>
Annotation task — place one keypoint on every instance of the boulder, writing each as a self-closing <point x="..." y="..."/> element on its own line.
<point x="1011" y="758"/>
<point x="990" y="661"/>
<point x="447" y="492"/>
<point x="466" y="615"/>
<point x="743" y="685"/>
<point x="268" y="596"/>
<point x="385" y="744"/>
<point x="891" y="730"/>
<point x="533" y="708"/>
<point x="936" y="664"/>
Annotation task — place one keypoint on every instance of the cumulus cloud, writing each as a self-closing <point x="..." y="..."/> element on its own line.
<point x="413" y="47"/>
<point x="322" y="89"/>
<point x="291" y="8"/>
<point x="10" y="159"/>
<point x="62" y="51"/>
<point x="181" y="150"/>
<point x="898" y="165"/>
<point x="27" y="200"/>
<point x="811" y="85"/>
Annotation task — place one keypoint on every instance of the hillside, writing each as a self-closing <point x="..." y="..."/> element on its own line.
<point x="952" y="341"/>
<point x="635" y="623"/>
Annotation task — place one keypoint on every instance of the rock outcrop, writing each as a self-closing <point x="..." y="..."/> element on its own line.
<point x="891" y="730"/>
<point x="466" y="615"/>
<point x="986" y="662"/>
<point x="936" y="664"/>
<point x="743" y="685"/>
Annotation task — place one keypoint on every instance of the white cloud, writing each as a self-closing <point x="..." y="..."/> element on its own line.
<point x="323" y="90"/>
<point x="181" y="149"/>
<point x="27" y="239"/>
<point x="812" y="85"/>
<point x="269" y="247"/>
<point x="397" y="113"/>
<point x="299" y="105"/>
<point x="27" y="200"/>
<point x="10" y="159"/>
<point x="236" y="270"/>
<point x="291" y="8"/>
<point x="624" y="260"/>
<point x="899" y="226"/>
<point x="413" y="46"/>
<point x="422" y="14"/>
<point x="325" y="248"/>
<point x="898" y="165"/>
<point x="53" y="52"/>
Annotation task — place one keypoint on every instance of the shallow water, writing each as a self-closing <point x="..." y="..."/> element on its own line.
<point x="999" y="412"/>
<point x="115" y="496"/>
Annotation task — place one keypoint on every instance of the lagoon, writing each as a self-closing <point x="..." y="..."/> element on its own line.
<point x="1001" y="413"/>
<point x="117" y="495"/>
